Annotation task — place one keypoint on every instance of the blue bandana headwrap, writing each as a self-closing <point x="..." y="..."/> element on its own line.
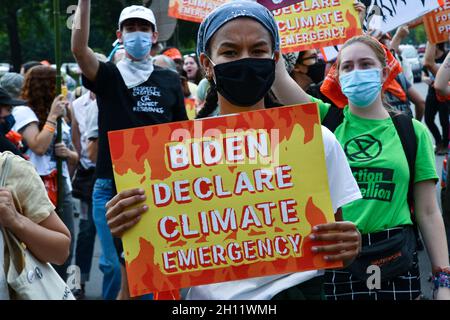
<point x="232" y="10"/>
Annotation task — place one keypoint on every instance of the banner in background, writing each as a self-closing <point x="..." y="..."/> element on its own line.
<point x="387" y="15"/>
<point x="277" y="4"/>
<point x="313" y="24"/>
<point x="330" y="53"/>
<point x="193" y="10"/>
<point x="226" y="201"/>
<point x="437" y="24"/>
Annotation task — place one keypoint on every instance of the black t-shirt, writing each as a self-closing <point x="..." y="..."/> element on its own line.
<point x="158" y="100"/>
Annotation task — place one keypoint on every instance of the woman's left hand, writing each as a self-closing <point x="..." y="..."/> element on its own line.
<point x="61" y="150"/>
<point x="9" y="217"/>
<point x="346" y="236"/>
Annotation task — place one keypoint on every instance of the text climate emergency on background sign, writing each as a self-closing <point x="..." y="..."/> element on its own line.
<point x="314" y="24"/>
<point x="224" y="204"/>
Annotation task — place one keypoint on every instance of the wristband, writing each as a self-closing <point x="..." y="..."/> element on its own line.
<point x="441" y="278"/>
<point x="52" y="122"/>
<point x="49" y="128"/>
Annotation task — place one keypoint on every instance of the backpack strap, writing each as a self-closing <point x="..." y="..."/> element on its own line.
<point x="333" y="118"/>
<point x="405" y="130"/>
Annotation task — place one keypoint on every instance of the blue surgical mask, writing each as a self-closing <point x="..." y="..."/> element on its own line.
<point x="137" y="44"/>
<point x="361" y="87"/>
<point x="7" y="125"/>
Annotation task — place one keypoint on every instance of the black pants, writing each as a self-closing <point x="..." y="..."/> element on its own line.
<point x="309" y="290"/>
<point x="85" y="244"/>
<point x="432" y="107"/>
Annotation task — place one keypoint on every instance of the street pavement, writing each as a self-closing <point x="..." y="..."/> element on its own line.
<point x="94" y="286"/>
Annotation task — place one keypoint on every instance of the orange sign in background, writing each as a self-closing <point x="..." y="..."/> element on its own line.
<point x="193" y="10"/>
<point x="314" y="24"/>
<point x="437" y="24"/>
<point x="190" y="108"/>
<point x="229" y="197"/>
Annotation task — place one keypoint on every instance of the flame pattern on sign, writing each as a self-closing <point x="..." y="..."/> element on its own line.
<point x="137" y="157"/>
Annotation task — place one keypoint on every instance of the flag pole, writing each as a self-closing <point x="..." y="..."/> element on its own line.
<point x="59" y="161"/>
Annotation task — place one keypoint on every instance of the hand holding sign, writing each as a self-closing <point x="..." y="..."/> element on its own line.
<point x="346" y="239"/>
<point x="122" y="211"/>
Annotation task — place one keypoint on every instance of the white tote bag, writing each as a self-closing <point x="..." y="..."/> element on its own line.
<point x="27" y="277"/>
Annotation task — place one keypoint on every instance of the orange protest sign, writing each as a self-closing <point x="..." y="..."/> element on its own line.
<point x="437" y="24"/>
<point x="193" y="10"/>
<point x="314" y="24"/>
<point x="229" y="197"/>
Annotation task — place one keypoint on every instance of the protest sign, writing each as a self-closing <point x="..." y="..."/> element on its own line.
<point x="277" y="4"/>
<point x="229" y="197"/>
<point x="190" y="108"/>
<point x="437" y="24"/>
<point x="385" y="16"/>
<point x="330" y="53"/>
<point x="314" y="24"/>
<point x="193" y="10"/>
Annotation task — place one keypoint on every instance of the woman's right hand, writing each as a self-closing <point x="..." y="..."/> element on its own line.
<point x="120" y="216"/>
<point x="58" y="108"/>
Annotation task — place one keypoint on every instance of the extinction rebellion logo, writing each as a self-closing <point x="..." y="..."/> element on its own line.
<point x="374" y="183"/>
<point x="363" y="148"/>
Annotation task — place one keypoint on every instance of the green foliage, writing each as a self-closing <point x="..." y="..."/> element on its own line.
<point x="417" y="35"/>
<point x="36" y="29"/>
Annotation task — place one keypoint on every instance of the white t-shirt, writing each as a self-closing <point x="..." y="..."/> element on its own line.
<point x="4" y="293"/>
<point x="343" y="190"/>
<point x="47" y="163"/>
<point x="92" y="122"/>
<point x="80" y="108"/>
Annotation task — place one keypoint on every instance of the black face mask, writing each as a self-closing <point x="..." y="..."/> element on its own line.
<point x="245" y="82"/>
<point x="317" y="71"/>
<point x="7" y="125"/>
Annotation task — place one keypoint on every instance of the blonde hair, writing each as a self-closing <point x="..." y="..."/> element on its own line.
<point x="371" y="42"/>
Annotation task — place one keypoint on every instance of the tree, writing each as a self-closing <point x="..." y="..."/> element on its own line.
<point x="8" y="13"/>
<point x="28" y="32"/>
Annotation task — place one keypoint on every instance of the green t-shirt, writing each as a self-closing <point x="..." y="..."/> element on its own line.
<point x="379" y="165"/>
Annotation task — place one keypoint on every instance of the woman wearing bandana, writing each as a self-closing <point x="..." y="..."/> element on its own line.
<point x="238" y="45"/>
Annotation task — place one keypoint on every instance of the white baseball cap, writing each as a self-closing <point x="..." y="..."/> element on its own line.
<point x="137" y="12"/>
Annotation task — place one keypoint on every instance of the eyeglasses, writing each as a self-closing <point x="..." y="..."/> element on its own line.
<point x="189" y="55"/>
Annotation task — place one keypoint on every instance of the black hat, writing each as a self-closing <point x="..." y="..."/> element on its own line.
<point x="6" y="100"/>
